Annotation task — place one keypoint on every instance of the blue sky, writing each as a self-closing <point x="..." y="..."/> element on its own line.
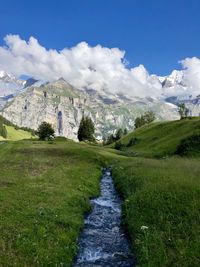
<point x="155" y="33"/>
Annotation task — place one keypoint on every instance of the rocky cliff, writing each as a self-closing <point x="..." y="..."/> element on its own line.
<point x="63" y="106"/>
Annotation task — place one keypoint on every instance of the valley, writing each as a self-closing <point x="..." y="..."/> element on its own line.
<point x="46" y="193"/>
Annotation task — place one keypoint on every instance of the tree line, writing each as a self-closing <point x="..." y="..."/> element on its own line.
<point x="86" y="128"/>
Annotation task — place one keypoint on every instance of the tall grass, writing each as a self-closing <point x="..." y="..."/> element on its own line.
<point x="159" y="139"/>
<point x="44" y="193"/>
<point x="161" y="209"/>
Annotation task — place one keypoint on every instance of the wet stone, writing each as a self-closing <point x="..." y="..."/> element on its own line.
<point x="103" y="242"/>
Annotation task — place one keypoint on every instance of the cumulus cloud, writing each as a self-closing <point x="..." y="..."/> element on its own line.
<point x="93" y="67"/>
<point x="192" y="74"/>
<point x="83" y="66"/>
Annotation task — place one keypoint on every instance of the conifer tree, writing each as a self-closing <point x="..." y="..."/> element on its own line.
<point x="86" y="130"/>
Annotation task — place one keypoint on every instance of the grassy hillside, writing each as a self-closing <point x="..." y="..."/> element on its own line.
<point x="44" y="192"/>
<point x="18" y="134"/>
<point x="13" y="133"/>
<point x="160" y="139"/>
<point x="45" y="189"/>
<point x="161" y="209"/>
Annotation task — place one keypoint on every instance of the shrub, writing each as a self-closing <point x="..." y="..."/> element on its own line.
<point x="118" y="145"/>
<point x="189" y="145"/>
<point x="119" y="134"/>
<point x="45" y="131"/>
<point x="115" y="137"/>
<point x="3" y="131"/>
<point x="132" y="141"/>
<point x="183" y="111"/>
<point x="147" y="118"/>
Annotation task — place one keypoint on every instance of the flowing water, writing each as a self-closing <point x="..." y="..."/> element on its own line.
<point x="103" y="242"/>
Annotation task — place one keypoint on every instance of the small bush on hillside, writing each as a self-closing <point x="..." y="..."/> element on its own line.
<point x="125" y="131"/>
<point x="190" y="145"/>
<point x="3" y="131"/>
<point x="45" y="131"/>
<point x="147" y="118"/>
<point x="118" y="145"/>
<point x="115" y="137"/>
<point x="132" y="141"/>
<point x="111" y="139"/>
<point x="183" y="111"/>
<point x="119" y="134"/>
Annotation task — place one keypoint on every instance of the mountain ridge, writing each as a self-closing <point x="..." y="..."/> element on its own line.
<point x="42" y="101"/>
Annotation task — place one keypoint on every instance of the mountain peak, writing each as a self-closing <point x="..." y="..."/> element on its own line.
<point x="61" y="82"/>
<point x="61" y="79"/>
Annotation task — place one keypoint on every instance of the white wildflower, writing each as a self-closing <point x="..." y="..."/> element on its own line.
<point x="143" y="227"/>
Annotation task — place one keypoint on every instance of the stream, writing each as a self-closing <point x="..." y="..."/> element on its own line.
<point x="103" y="242"/>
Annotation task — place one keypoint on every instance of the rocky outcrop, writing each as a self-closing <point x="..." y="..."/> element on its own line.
<point x="63" y="106"/>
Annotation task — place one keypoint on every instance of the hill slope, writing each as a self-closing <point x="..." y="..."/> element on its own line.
<point x="13" y="133"/>
<point x="160" y="139"/>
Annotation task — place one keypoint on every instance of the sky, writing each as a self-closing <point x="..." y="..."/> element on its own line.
<point x="148" y="36"/>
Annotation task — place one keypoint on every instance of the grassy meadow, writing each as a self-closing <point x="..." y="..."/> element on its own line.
<point x="164" y="197"/>
<point x="13" y="133"/>
<point x="45" y="191"/>
<point x="160" y="139"/>
<point x="46" y="186"/>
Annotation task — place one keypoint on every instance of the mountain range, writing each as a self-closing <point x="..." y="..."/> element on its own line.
<point x="28" y="103"/>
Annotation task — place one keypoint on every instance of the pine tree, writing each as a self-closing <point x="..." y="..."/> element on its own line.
<point x="86" y="130"/>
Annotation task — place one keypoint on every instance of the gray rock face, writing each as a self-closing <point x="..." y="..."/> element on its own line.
<point x="192" y="103"/>
<point x="63" y="106"/>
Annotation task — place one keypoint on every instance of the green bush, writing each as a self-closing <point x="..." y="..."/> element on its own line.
<point x="45" y="131"/>
<point x="132" y="141"/>
<point x="118" y="145"/>
<point x="147" y="118"/>
<point x="190" y="145"/>
<point x="3" y="131"/>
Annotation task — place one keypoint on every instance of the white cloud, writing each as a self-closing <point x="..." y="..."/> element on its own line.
<point x="97" y="67"/>
<point x="192" y="74"/>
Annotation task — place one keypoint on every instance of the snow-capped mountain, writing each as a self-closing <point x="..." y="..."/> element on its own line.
<point x="173" y="84"/>
<point x="175" y="78"/>
<point x="9" y="84"/>
<point x="30" y="102"/>
<point x="9" y="78"/>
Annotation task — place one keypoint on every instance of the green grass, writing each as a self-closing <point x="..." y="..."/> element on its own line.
<point x="46" y="186"/>
<point x="163" y="195"/>
<point x="45" y="191"/>
<point x="18" y="134"/>
<point x="160" y="139"/>
<point x="14" y="133"/>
